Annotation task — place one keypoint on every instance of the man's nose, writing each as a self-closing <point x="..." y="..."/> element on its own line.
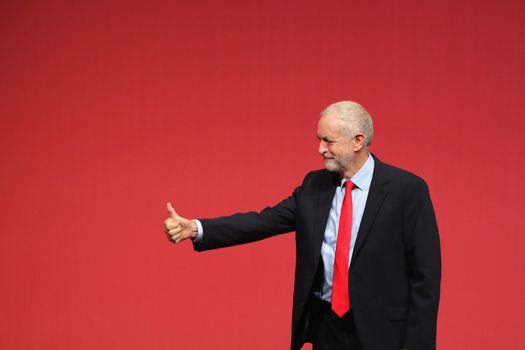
<point x="322" y="147"/>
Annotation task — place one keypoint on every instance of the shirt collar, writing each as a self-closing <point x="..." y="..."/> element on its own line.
<point x="363" y="177"/>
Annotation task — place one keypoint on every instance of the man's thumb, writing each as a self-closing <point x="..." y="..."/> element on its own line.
<point x="171" y="211"/>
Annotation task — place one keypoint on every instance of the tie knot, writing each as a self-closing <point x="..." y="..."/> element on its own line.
<point x="349" y="185"/>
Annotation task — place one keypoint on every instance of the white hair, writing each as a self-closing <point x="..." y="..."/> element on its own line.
<point x="354" y="117"/>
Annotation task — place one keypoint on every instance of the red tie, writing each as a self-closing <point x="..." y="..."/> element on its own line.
<point x="340" y="293"/>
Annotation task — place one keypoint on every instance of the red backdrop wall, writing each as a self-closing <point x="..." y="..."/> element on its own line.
<point x="109" y="109"/>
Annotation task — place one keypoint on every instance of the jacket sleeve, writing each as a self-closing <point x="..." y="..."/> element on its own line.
<point x="249" y="227"/>
<point x="424" y="256"/>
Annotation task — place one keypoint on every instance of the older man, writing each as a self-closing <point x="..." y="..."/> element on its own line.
<point x="368" y="263"/>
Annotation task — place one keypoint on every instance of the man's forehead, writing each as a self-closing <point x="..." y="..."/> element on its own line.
<point x="329" y="123"/>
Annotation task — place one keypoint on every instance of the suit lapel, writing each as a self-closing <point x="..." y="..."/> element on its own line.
<point x="376" y="196"/>
<point x="324" y="203"/>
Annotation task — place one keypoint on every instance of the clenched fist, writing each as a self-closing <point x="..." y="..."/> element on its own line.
<point x="178" y="228"/>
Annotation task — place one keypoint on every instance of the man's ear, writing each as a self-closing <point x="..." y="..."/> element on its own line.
<point x="358" y="142"/>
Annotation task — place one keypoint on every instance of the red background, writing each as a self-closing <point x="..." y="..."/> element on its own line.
<point x="109" y="109"/>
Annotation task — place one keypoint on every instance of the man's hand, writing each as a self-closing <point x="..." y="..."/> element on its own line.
<point x="178" y="228"/>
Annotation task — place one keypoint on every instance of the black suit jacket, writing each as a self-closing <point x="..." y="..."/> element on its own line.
<point x="396" y="264"/>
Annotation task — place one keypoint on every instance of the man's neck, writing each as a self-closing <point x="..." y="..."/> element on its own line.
<point x="357" y="163"/>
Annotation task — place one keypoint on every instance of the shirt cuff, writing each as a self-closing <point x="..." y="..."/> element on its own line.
<point x="199" y="231"/>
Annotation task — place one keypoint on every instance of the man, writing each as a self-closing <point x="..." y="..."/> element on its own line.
<point x="368" y="263"/>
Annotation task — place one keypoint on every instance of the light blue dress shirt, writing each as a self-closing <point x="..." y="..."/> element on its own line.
<point x="361" y="180"/>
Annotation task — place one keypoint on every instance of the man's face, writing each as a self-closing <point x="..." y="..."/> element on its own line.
<point x="335" y="148"/>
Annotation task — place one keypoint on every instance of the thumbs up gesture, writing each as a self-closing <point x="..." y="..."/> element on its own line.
<point x="178" y="228"/>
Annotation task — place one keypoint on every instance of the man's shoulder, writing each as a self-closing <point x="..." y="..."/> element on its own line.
<point x="396" y="174"/>
<point x="323" y="173"/>
<point x="321" y="178"/>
